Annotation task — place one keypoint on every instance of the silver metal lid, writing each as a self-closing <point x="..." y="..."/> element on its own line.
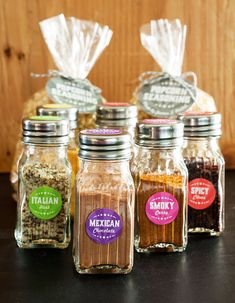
<point x="45" y="130"/>
<point x="160" y="133"/>
<point x="104" y="144"/>
<point x="205" y="124"/>
<point x="61" y="110"/>
<point x="116" y="114"/>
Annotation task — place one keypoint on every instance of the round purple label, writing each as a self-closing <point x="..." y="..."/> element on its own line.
<point x="162" y="208"/>
<point x="103" y="131"/>
<point x="104" y="225"/>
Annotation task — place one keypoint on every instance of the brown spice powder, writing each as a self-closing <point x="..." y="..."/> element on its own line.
<point x="117" y="253"/>
<point x="151" y="234"/>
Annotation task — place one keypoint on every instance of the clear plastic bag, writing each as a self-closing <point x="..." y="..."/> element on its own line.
<point x="75" y="44"/>
<point x="169" y="92"/>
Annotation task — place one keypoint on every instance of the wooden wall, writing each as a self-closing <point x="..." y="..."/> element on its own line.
<point x="210" y="52"/>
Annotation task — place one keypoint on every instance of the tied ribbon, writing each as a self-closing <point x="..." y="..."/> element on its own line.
<point x="56" y="73"/>
<point x="148" y="77"/>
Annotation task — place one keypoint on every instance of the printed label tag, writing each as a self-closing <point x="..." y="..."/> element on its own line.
<point x="201" y="193"/>
<point x="80" y="93"/>
<point x="104" y="225"/>
<point x="162" y="208"/>
<point x="165" y="96"/>
<point x="45" y="203"/>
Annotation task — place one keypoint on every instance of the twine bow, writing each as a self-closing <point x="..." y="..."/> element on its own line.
<point x="149" y="76"/>
<point x="56" y="73"/>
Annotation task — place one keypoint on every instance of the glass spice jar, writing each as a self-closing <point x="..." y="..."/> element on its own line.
<point x="206" y="167"/>
<point x="117" y="115"/>
<point x="43" y="218"/>
<point x="161" y="187"/>
<point x="71" y="113"/>
<point x="104" y="210"/>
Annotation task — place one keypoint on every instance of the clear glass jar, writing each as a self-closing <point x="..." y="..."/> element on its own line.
<point x="105" y="190"/>
<point x="43" y="218"/>
<point x="161" y="187"/>
<point x="71" y="113"/>
<point x="206" y="168"/>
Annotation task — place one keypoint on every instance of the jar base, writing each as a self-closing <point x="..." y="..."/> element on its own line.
<point x="103" y="269"/>
<point x="202" y="230"/>
<point x="43" y="243"/>
<point x="161" y="247"/>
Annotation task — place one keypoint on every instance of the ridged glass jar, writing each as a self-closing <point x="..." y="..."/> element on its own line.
<point x="161" y="187"/>
<point x="43" y="217"/>
<point x="206" y="167"/>
<point x="104" y="211"/>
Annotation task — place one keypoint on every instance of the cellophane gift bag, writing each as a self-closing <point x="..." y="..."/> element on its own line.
<point x="168" y="92"/>
<point x="75" y="46"/>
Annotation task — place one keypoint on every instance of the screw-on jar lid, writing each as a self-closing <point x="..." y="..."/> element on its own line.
<point x="45" y="130"/>
<point x="61" y="110"/>
<point x="205" y="124"/>
<point x="104" y="144"/>
<point x="160" y="133"/>
<point x="116" y="114"/>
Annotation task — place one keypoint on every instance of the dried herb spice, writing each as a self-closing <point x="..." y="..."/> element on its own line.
<point x="37" y="176"/>
<point x="43" y="213"/>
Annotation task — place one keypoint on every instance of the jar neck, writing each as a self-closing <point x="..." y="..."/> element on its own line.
<point x="170" y="151"/>
<point x="164" y="157"/>
<point x="202" y="143"/>
<point x="73" y="139"/>
<point x="72" y="133"/>
<point x="110" y="166"/>
<point x="59" y="151"/>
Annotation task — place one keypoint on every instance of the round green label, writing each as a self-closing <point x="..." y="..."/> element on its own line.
<point x="45" y="202"/>
<point x="46" y="118"/>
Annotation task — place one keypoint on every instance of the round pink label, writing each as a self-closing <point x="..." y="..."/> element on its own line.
<point x="199" y="113"/>
<point x="162" y="208"/>
<point x="159" y="121"/>
<point x="103" y="131"/>
<point x="201" y="193"/>
<point x="116" y="104"/>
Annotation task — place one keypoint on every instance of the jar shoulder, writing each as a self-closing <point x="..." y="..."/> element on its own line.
<point x="164" y="162"/>
<point x="209" y="153"/>
<point x="98" y="181"/>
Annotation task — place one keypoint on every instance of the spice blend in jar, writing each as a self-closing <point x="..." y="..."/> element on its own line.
<point x="71" y="114"/>
<point x="43" y="218"/>
<point x="104" y="210"/>
<point x="161" y="187"/>
<point x="117" y="115"/>
<point x="205" y="165"/>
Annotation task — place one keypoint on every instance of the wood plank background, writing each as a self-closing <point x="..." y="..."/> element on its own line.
<point x="210" y="52"/>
